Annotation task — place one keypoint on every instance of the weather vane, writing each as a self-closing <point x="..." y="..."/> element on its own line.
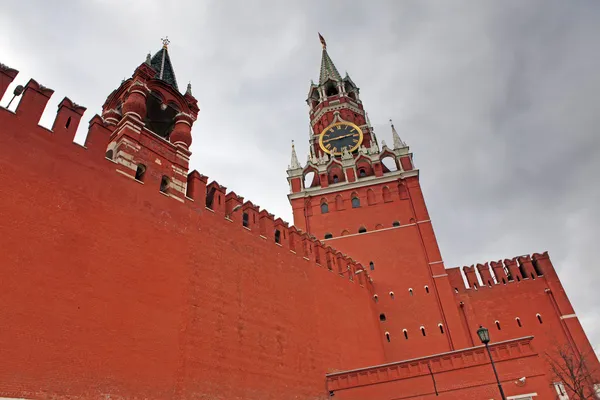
<point x="165" y="41"/>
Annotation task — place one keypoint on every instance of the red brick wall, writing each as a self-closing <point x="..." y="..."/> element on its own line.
<point x="110" y="287"/>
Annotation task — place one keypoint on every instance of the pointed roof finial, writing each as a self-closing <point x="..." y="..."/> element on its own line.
<point x="294" y="164"/>
<point x="148" y="58"/>
<point x="322" y="39"/>
<point x="165" y="42"/>
<point x="368" y="120"/>
<point x="328" y="69"/>
<point x="398" y="143"/>
<point x="189" y="89"/>
<point x="161" y="62"/>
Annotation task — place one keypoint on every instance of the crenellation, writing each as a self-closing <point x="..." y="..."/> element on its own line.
<point x="484" y="273"/>
<point x="215" y="197"/>
<point x="526" y="266"/>
<point x="501" y="272"/>
<point x="471" y="277"/>
<point x="67" y="120"/>
<point x="7" y="76"/>
<point x="196" y="188"/>
<point x="97" y="139"/>
<point x="513" y="268"/>
<point x="33" y="102"/>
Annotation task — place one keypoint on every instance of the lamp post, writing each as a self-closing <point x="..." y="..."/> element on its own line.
<point x="484" y="336"/>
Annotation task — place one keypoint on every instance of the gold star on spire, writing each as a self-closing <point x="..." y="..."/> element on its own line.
<point x="165" y="42"/>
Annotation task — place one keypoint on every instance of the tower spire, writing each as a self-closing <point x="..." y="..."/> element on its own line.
<point x="328" y="69"/>
<point x="294" y="164"/>
<point x="398" y="143"/>
<point x="161" y="62"/>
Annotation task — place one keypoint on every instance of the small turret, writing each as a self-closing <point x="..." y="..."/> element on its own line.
<point x="398" y="143"/>
<point x="147" y="112"/>
<point x="294" y="164"/>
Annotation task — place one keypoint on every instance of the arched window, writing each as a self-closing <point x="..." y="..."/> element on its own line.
<point x="68" y="123"/>
<point x="362" y="173"/>
<point x="245" y="221"/>
<point x="331" y="89"/>
<point x="392" y="295"/>
<point x="539" y="317"/>
<point x="375" y="298"/>
<point x="159" y="118"/>
<point x="427" y="289"/>
<point x="389" y="164"/>
<point x="396" y="223"/>
<point x="164" y="184"/>
<point x="140" y="172"/>
<point x="410" y="291"/>
<point x="328" y="236"/>
<point x="345" y="232"/>
<point x="362" y="229"/>
<point x="109" y="154"/>
<point x="277" y="236"/>
<point x="314" y="97"/>
<point x="519" y="322"/>
<point x="336" y="179"/>
<point x="441" y="328"/>
<point x="405" y="333"/>
<point x="372" y="266"/>
<point x="455" y="290"/>
<point x="370" y="197"/>
<point x="387" y="195"/>
<point x="423" y="331"/>
<point x="339" y="202"/>
<point x="324" y="207"/>
<point x="355" y="201"/>
<point x="498" y="325"/>
<point x="310" y="179"/>
<point x="382" y="317"/>
<point x="387" y="336"/>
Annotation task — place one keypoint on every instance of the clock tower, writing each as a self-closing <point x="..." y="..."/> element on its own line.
<point x="335" y="111"/>
<point x="365" y="199"/>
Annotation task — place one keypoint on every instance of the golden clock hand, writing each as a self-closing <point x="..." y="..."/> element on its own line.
<point x="337" y="138"/>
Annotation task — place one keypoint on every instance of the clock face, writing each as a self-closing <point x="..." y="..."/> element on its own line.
<point x="339" y="135"/>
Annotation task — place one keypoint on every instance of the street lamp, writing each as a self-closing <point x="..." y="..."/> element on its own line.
<point x="484" y="336"/>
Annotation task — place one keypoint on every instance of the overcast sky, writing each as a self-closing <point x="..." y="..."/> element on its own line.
<point x="498" y="100"/>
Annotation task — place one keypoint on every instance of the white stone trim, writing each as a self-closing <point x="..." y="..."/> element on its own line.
<point x="568" y="316"/>
<point x="363" y="182"/>
<point x="439" y="276"/>
<point x="522" y="396"/>
<point x="12" y="398"/>
<point x="368" y="232"/>
<point x="434" y="262"/>
<point x="126" y="174"/>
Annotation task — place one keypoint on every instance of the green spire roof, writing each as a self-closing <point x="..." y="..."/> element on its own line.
<point x="161" y="62"/>
<point x="328" y="69"/>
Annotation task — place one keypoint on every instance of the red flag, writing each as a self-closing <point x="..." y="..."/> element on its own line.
<point x="322" y="39"/>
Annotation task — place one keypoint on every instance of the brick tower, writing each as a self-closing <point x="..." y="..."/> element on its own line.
<point x="152" y="125"/>
<point x="366" y="200"/>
